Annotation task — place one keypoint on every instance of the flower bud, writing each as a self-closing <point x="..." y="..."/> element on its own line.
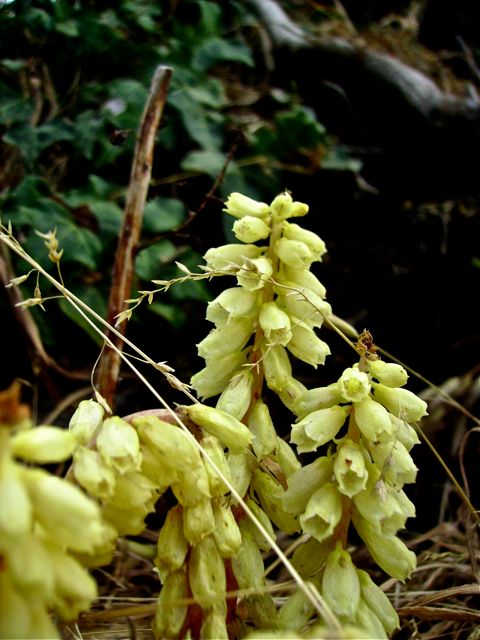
<point x="349" y="469"/>
<point x="354" y="385"/>
<point x="306" y="305"/>
<point x="295" y="612"/>
<point x="401" y="403"/>
<point x="318" y="428"/>
<point x="214" y="450"/>
<point x="241" y="472"/>
<point x="16" y="510"/>
<point x="239" y="206"/>
<point x="310" y="557"/>
<point x="264" y="441"/>
<point x="198" y="520"/>
<point x="63" y="510"/>
<point x="294" y="253"/>
<point x="248" y="525"/>
<point x="275" y="324"/>
<point x="168" y="442"/>
<point x="206" y="572"/>
<point x="170" y="615"/>
<point x="231" y="256"/>
<point x="155" y="469"/>
<point x="250" y="229"/>
<point x="372" y="419"/>
<point x="43" y="444"/>
<point x="230" y="431"/>
<point x="300" y="279"/>
<point x="86" y="421"/>
<point x="270" y="492"/>
<point x="193" y="484"/>
<point x="172" y="545"/>
<point x="290" y="393"/>
<point x="315" y="399"/>
<point x="226" y="532"/>
<point x="236" y="397"/>
<point x="220" y="342"/>
<point x="283" y="207"/>
<point x="247" y="565"/>
<point x="378" y="602"/>
<point x="276" y="367"/>
<point x="404" y="432"/>
<point x="232" y="303"/>
<point x="323" y="512"/>
<point x="366" y="619"/>
<point x="213" y="379"/>
<point x="388" y="373"/>
<point x="133" y="490"/>
<point x="340" y="583"/>
<point x="93" y="474"/>
<point x="390" y="553"/>
<point x="306" y="345"/>
<point x="382" y="505"/>
<point x="304" y="482"/>
<point x="119" y="446"/>
<point x="314" y="243"/>
<point x="254" y="273"/>
<point x="286" y="458"/>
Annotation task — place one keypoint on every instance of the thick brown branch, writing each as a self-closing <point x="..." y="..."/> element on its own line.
<point x="109" y="366"/>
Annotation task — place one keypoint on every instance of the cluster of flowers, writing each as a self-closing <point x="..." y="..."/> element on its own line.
<point x="41" y="547"/>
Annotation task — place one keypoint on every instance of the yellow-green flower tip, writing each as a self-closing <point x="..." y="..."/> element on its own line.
<point x="119" y="445"/>
<point x="323" y="512"/>
<point x="318" y="428"/>
<point x="250" y="229"/>
<point x="340" y="583"/>
<point x="354" y="385"/>
<point x="43" y="444"/>
<point x="86" y="421"/>
<point x="240" y="206"/>
<point x="388" y="373"/>
<point x="230" y="431"/>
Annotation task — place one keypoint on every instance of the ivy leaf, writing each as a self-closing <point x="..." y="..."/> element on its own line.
<point x="216" y="50"/>
<point x="163" y="214"/>
<point x="149" y="262"/>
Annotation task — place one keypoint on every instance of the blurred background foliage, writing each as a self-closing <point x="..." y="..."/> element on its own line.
<point x="74" y="79"/>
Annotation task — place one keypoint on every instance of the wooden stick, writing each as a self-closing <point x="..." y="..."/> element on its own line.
<point x="109" y="365"/>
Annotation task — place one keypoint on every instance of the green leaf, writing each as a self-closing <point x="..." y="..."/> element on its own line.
<point x="196" y="120"/>
<point x="108" y="215"/>
<point x="68" y="28"/>
<point x="149" y="262"/>
<point x="209" y="162"/>
<point x="216" y="50"/>
<point x="163" y="214"/>
<point x="13" y="65"/>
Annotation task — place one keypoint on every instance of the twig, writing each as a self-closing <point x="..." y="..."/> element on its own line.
<point x="109" y="366"/>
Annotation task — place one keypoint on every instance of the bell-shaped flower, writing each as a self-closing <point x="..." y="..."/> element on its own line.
<point x="247" y="565"/>
<point x="304" y="482"/>
<point x="43" y="444"/>
<point x="134" y="498"/>
<point x="388" y="373"/>
<point x="306" y="345"/>
<point x="231" y="256"/>
<point x="232" y="303"/>
<point x="248" y="525"/>
<point x="283" y="207"/>
<point x="198" y="520"/>
<point x="309" y="557"/>
<point x="230" y="431"/>
<point x="226" y="532"/>
<point x="366" y="619"/>
<point x="404" y="432"/>
<point x="212" y="379"/>
<point x="314" y="243"/>
<point x="172" y="546"/>
<point x="236" y="397"/>
<point x="269" y="492"/>
<point x="170" y="443"/>
<point x="171" y="606"/>
<point x="275" y="324"/>
<point x="378" y="602"/>
<point x="93" y="473"/>
<point x="260" y="423"/>
<point x="323" y="512"/>
<point x="294" y="613"/>
<point x="318" y="428"/>
<point x="299" y="279"/>
<point x="119" y="446"/>
<point x="285" y="456"/>
<point x="294" y="253"/>
<point x="255" y="272"/>
<point x="395" y="462"/>
<point x="241" y="471"/>
<point x="306" y="305"/>
<point x="86" y="421"/>
<point x="250" y="229"/>
<point x="214" y="449"/>
<point x="354" y="385"/>
<point x="16" y="508"/>
<point x="240" y="206"/>
<point x="276" y="367"/>
<point x="340" y="583"/>
<point x="349" y="468"/>
<point x="372" y="419"/>
<point x="390" y="553"/>
<point x="317" y="398"/>
<point x="192" y="485"/>
<point x="64" y="511"/>
<point x="222" y="341"/>
<point x="401" y="403"/>
<point x="290" y="392"/>
<point x="155" y="469"/>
